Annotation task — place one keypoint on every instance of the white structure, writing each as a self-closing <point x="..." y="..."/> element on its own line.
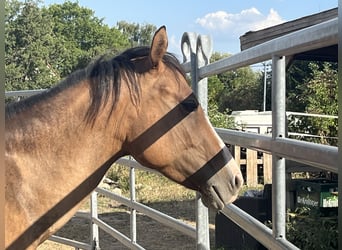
<point x="253" y="121"/>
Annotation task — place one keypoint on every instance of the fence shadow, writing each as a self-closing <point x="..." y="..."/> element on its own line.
<point x="150" y="233"/>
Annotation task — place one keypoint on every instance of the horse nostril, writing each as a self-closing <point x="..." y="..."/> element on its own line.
<point x="238" y="181"/>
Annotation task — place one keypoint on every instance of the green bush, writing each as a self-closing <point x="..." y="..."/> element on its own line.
<point x="310" y="229"/>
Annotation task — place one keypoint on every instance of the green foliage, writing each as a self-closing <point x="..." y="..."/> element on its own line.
<point x="80" y="36"/>
<point x="138" y="35"/>
<point x="243" y="90"/>
<point x="217" y="118"/>
<point x="296" y="76"/>
<point x="220" y="119"/>
<point x="120" y="175"/>
<point x="307" y="229"/>
<point x="318" y="95"/>
<point x="28" y="37"/>
<point x="233" y="90"/>
<point x="45" y="44"/>
<point x="322" y="90"/>
<point x="240" y="89"/>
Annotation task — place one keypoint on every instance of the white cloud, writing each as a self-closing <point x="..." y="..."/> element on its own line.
<point x="246" y="20"/>
<point x="273" y="18"/>
<point x="215" y="21"/>
<point x="226" y="28"/>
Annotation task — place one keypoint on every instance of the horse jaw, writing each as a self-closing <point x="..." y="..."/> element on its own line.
<point x="223" y="187"/>
<point x="211" y="198"/>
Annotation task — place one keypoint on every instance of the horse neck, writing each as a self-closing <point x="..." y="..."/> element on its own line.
<point x="55" y="131"/>
<point x="54" y="158"/>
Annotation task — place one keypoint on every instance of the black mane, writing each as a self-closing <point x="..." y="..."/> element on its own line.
<point x="105" y="76"/>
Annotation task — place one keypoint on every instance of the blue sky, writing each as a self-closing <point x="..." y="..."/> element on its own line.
<point x="225" y="21"/>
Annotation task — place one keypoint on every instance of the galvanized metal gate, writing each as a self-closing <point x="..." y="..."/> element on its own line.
<point x="197" y="51"/>
<point x="281" y="148"/>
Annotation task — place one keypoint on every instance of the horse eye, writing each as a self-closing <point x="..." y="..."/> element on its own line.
<point x="190" y="104"/>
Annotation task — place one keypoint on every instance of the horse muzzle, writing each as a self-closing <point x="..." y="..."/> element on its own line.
<point x="216" y="195"/>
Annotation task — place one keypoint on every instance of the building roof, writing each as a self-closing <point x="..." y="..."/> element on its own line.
<point x="253" y="38"/>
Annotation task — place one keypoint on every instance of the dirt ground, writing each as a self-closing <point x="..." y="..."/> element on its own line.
<point x="150" y="233"/>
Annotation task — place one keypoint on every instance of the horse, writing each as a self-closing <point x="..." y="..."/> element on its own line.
<point x="60" y="143"/>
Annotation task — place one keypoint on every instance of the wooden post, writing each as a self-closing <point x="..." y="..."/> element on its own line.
<point x="267" y="163"/>
<point x="252" y="168"/>
<point x="252" y="162"/>
<point x="237" y="153"/>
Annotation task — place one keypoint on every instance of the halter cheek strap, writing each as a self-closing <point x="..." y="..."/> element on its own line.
<point x="209" y="169"/>
<point x="163" y="125"/>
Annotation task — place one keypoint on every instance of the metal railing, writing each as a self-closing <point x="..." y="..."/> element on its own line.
<point x="281" y="148"/>
<point x="92" y="216"/>
<point x="196" y="53"/>
<point x="134" y="206"/>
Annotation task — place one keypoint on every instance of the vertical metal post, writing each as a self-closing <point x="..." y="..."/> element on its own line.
<point x="202" y="225"/>
<point x="133" y="228"/>
<point x="198" y="58"/>
<point x="278" y="131"/>
<point x="189" y="40"/>
<point x="265" y="87"/>
<point x="203" y="54"/>
<point x="94" y="229"/>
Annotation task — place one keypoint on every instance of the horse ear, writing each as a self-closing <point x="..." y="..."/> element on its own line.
<point x="159" y="46"/>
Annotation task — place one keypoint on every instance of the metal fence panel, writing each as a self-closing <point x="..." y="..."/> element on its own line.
<point x="324" y="157"/>
<point x="317" y="36"/>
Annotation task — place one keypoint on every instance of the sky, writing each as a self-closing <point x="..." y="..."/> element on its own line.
<point x="224" y="21"/>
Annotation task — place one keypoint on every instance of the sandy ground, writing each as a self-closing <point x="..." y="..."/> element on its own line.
<point x="150" y="233"/>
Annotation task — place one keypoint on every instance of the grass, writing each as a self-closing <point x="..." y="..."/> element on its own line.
<point x="150" y="187"/>
<point x="153" y="190"/>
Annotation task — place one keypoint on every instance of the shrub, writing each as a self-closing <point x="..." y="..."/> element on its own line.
<point x="309" y="229"/>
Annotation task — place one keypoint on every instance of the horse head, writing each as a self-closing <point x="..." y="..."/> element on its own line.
<point x="171" y="133"/>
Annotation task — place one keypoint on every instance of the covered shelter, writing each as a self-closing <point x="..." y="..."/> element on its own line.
<point x="253" y="38"/>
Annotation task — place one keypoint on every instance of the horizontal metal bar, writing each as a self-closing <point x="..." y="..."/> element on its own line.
<point x="288" y="113"/>
<point x="152" y="213"/>
<point x="81" y="214"/>
<point x="129" y="162"/>
<point x="310" y="135"/>
<point x="69" y="242"/>
<point x="314" y="37"/>
<point x="321" y="156"/>
<point x="186" y="67"/>
<point x="23" y="92"/>
<point x="117" y="235"/>
<point x="255" y="228"/>
<point x="317" y="155"/>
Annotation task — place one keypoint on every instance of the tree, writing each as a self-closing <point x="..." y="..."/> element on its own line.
<point x="80" y="36"/>
<point x="138" y="35"/>
<point x="45" y="44"/>
<point x="233" y="90"/>
<point x="318" y="95"/>
<point x="28" y="38"/>
<point x="217" y="118"/>
<point x="322" y="89"/>
<point x="297" y="74"/>
<point x="240" y="89"/>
